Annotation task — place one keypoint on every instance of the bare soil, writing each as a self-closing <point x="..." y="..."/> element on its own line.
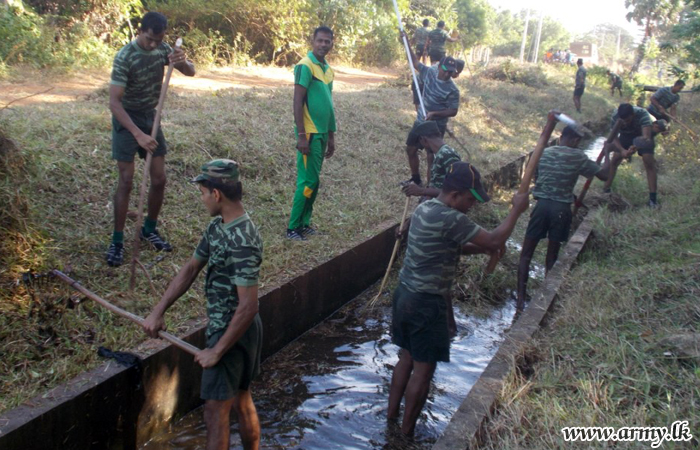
<point x="34" y="87"/>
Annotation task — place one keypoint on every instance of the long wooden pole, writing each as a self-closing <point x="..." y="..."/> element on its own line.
<point x="686" y="127"/>
<point x="397" y="244"/>
<point x="147" y="170"/>
<point x="552" y="119"/>
<point x="611" y="137"/>
<point x="179" y="343"/>
<point x="410" y="59"/>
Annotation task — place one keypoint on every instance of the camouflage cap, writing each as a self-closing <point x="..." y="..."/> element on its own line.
<point x="222" y="170"/>
<point x="425" y="128"/>
<point x="662" y="124"/>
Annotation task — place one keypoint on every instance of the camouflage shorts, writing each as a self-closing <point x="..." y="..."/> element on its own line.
<point x="124" y="144"/>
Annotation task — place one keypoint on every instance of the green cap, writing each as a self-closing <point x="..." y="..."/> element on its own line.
<point x="223" y="170"/>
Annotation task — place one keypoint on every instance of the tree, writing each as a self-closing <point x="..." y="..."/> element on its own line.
<point x="651" y="14"/>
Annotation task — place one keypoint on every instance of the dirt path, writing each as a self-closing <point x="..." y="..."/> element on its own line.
<point x="51" y="89"/>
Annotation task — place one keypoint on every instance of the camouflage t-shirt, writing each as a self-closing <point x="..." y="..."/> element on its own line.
<point x="437" y="40"/>
<point x="420" y="37"/>
<point x="665" y="97"/>
<point x="444" y="158"/>
<point x="233" y="252"/>
<point x="140" y="73"/>
<point x="641" y="119"/>
<point x="435" y="241"/>
<point x="558" y="171"/>
<point x="581" y="77"/>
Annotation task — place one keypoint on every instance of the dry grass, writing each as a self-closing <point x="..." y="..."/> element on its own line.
<point x="605" y="358"/>
<point x="70" y="179"/>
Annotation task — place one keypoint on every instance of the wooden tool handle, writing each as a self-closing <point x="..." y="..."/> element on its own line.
<point x="135" y="249"/>
<point x="397" y="244"/>
<point x="179" y="343"/>
<point x="611" y="137"/>
<point x="529" y="172"/>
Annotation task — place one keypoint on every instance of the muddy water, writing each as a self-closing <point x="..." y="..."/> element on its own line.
<point x="329" y="388"/>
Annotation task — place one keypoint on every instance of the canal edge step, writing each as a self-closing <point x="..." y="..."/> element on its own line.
<point x="467" y="423"/>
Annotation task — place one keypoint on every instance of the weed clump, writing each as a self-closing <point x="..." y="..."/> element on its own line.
<point x="509" y="71"/>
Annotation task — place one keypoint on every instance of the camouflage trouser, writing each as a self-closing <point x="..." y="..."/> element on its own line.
<point x="308" y="181"/>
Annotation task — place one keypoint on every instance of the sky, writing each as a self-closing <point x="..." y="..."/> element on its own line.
<point x="576" y="16"/>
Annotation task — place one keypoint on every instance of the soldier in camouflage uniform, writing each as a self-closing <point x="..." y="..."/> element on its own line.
<point x="556" y="176"/>
<point x="232" y="249"/>
<point x="420" y="40"/>
<point x="137" y="77"/>
<point x="430" y="138"/>
<point x="422" y="316"/>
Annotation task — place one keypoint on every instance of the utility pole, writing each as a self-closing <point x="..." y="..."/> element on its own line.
<point x="522" y="44"/>
<point x="617" y="52"/>
<point x="537" y="39"/>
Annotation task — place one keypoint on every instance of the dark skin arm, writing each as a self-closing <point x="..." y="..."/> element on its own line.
<point x="495" y="240"/>
<point x="658" y="106"/>
<point x="240" y="322"/>
<point x="416" y="63"/>
<point x="155" y="322"/>
<point x="433" y="115"/>
<point x="299" y="98"/>
<point x="413" y="190"/>
<point x="179" y="61"/>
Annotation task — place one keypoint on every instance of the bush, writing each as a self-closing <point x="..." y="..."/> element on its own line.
<point x="508" y="70"/>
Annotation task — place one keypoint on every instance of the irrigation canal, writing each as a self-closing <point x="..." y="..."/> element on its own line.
<point x="329" y="388"/>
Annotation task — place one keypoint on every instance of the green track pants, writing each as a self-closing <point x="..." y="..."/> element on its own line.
<point x="308" y="180"/>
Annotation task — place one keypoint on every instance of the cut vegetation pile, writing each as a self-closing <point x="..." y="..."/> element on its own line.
<point x="71" y="179"/>
<point x="621" y="347"/>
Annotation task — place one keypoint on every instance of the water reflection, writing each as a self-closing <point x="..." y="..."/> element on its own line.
<point x="329" y="389"/>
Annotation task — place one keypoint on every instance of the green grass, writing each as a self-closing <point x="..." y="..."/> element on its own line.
<point x="602" y="360"/>
<point x="68" y="182"/>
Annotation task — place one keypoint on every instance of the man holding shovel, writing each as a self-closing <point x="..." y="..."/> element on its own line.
<point x="557" y="173"/>
<point x="137" y="77"/>
<point x="232" y="249"/>
<point x="441" y="100"/>
<point x="440" y="231"/>
<point x="665" y="100"/>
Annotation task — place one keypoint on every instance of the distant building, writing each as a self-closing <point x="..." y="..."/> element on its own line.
<point x="588" y="51"/>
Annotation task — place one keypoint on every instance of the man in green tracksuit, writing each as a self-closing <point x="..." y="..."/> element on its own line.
<point x="315" y="127"/>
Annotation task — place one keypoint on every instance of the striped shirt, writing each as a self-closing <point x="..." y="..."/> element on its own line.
<point x="665" y="97"/>
<point x="438" y="95"/>
<point x="140" y="73"/>
<point x="558" y="171"/>
<point x="435" y="241"/>
<point x="444" y="158"/>
<point x="641" y="119"/>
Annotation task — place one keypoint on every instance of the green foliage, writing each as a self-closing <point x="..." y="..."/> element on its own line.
<point x="474" y="20"/>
